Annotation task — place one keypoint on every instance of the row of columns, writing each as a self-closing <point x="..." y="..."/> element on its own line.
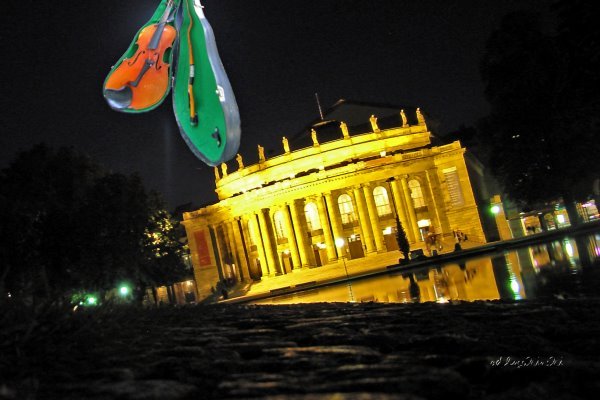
<point x="237" y="231"/>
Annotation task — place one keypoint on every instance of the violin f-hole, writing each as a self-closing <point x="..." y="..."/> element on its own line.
<point x="130" y="63"/>
<point x="157" y="64"/>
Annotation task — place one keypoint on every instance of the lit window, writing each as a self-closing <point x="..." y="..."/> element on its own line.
<point x="278" y="225"/>
<point x="346" y="209"/>
<point x="382" y="201"/>
<point x="416" y="193"/>
<point x="312" y="217"/>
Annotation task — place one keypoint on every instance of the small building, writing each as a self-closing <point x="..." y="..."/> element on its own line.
<point x="344" y="181"/>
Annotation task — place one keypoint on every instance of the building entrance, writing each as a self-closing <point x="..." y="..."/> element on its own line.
<point x="390" y="241"/>
<point x="355" y="247"/>
<point x="286" y="262"/>
<point x="255" y="270"/>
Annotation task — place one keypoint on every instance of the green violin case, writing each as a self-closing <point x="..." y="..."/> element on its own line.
<point x="203" y="100"/>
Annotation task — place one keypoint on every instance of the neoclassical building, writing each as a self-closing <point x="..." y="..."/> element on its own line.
<point x="286" y="211"/>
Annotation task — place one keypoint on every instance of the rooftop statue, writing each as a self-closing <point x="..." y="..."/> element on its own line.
<point x="420" y="117"/>
<point x="286" y="145"/>
<point x="344" y="128"/>
<point x="373" y="121"/>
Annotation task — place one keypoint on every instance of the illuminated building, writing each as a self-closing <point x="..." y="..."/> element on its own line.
<point x="284" y="212"/>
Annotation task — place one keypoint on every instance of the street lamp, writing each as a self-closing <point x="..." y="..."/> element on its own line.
<point x="124" y="291"/>
<point x="91" y="301"/>
<point x="339" y="243"/>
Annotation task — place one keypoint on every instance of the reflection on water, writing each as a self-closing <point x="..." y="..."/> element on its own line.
<point x="568" y="267"/>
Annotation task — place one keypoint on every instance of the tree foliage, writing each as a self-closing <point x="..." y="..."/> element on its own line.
<point x="69" y="226"/>
<point x="402" y="240"/>
<point x="545" y="109"/>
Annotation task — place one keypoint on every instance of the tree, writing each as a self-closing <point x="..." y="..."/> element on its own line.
<point x="68" y="226"/>
<point x="163" y="252"/>
<point x="402" y="240"/>
<point x="40" y="191"/>
<point x="542" y="129"/>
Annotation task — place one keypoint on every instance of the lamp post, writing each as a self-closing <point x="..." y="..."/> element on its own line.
<point x="497" y="211"/>
<point x="401" y="239"/>
<point x="339" y="243"/>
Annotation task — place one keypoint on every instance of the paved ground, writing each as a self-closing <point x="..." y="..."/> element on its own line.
<point x="492" y="350"/>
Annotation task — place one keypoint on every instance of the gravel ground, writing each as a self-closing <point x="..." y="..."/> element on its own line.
<point x="493" y="350"/>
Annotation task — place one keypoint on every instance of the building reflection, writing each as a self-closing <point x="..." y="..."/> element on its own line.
<point x="550" y="269"/>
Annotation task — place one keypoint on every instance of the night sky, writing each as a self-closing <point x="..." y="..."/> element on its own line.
<point x="277" y="55"/>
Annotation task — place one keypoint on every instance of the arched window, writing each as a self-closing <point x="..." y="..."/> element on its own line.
<point x="416" y="193"/>
<point x="382" y="202"/>
<point x="346" y="209"/>
<point x="312" y="217"/>
<point x="278" y="225"/>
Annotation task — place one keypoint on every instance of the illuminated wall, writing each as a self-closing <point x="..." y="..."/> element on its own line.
<point x="285" y="212"/>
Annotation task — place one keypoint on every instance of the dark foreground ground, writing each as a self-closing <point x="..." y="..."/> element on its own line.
<point x="532" y="350"/>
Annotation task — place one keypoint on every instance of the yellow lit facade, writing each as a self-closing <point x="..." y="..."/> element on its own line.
<point x="285" y="212"/>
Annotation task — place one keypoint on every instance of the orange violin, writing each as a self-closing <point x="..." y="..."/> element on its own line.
<point x="142" y="80"/>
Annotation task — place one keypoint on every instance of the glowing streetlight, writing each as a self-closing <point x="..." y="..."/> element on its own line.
<point x="495" y="209"/>
<point x="339" y="243"/>
<point x="92" y="301"/>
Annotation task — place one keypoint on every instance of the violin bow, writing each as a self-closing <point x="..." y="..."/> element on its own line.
<point x="193" y="113"/>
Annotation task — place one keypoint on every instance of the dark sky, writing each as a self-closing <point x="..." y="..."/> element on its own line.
<point x="277" y="55"/>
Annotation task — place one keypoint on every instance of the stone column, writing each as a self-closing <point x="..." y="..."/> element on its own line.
<point x="268" y="243"/>
<point x="374" y="217"/>
<point x="289" y="232"/>
<point x="236" y="259"/>
<point x="436" y="198"/>
<point x="331" y="253"/>
<point x="363" y="219"/>
<point x="248" y="238"/>
<point x="412" y="216"/>
<point x="401" y="209"/>
<point x="300" y="234"/>
<point x="242" y="255"/>
<point x="264" y="266"/>
<point x="336" y="223"/>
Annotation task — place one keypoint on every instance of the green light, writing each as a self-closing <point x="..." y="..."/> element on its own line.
<point x="92" y="301"/>
<point x="124" y="290"/>
<point x="514" y="286"/>
<point x="495" y="209"/>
